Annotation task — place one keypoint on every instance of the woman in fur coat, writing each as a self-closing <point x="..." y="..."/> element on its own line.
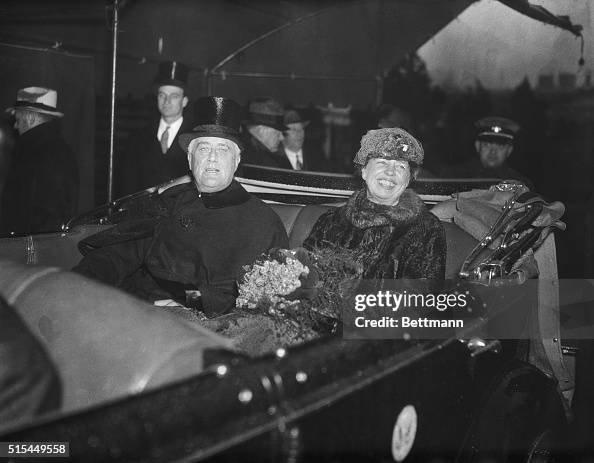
<point x="385" y="226"/>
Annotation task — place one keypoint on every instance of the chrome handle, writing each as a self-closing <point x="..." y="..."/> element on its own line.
<point x="30" y="251"/>
<point x="478" y="346"/>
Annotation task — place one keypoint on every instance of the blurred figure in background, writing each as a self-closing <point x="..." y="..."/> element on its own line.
<point x="391" y="116"/>
<point x="153" y="155"/>
<point x="265" y="129"/>
<point x="7" y="140"/>
<point x="41" y="191"/>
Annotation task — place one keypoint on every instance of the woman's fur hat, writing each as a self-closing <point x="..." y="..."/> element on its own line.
<point x="390" y="143"/>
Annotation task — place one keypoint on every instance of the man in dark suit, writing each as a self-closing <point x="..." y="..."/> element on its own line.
<point x="294" y="137"/>
<point x="153" y="155"/>
<point x="300" y="154"/>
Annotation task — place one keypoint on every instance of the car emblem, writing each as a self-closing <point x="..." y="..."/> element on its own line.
<point x="404" y="433"/>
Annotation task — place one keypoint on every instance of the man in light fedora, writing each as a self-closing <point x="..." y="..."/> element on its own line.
<point x="265" y="128"/>
<point x="199" y="234"/>
<point x="153" y="154"/>
<point x="41" y="192"/>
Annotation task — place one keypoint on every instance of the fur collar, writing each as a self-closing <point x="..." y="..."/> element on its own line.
<point x="363" y="213"/>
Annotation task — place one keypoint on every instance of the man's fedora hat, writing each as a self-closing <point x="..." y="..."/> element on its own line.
<point x="38" y="99"/>
<point x="266" y="111"/>
<point x="216" y="117"/>
<point x="496" y="129"/>
<point x="172" y="73"/>
<point x="293" y="117"/>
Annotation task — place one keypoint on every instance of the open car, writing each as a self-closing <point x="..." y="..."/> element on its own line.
<point x="140" y="383"/>
<point x="143" y="383"/>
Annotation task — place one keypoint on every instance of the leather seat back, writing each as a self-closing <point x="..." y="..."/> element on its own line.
<point x="299" y="220"/>
<point x="104" y="343"/>
<point x="60" y="249"/>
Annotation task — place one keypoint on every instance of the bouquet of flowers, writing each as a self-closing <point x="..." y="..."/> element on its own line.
<point x="275" y="278"/>
<point x="297" y="293"/>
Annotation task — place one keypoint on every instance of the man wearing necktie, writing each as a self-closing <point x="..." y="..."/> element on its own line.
<point x="293" y="139"/>
<point x="165" y="140"/>
<point x="153" y="155"/>
<point x="300" y="155"/>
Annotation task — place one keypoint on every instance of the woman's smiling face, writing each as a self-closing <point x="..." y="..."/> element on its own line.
<point x="386" y="179"/>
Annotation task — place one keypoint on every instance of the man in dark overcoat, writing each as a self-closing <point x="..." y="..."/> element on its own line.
<point x="264" y="127"/>
<point x="153" y="155"/>
<point x="7" y="142"/>
<point x="200" y="234"/>
<point x="41" y="191"/>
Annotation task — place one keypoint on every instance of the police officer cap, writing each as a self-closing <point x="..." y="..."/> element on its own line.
<point x="497" y="129"/>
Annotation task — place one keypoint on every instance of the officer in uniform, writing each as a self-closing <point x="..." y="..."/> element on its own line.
<point x="494" y="144"/>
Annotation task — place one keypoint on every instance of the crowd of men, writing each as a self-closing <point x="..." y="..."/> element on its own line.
<point x="39" y="182"/>
<point x="198" y="235"/>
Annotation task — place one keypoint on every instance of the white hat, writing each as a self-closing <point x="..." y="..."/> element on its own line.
<point x="38" y="99"/>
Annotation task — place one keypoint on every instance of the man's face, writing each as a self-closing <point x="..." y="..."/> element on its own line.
<point x="22" y="121"/>
<point x="493" y="154"/>
<point x="295" y="136"/>
<point x="213" y="161"/>
<point x="171" y="102"/>
<point x="386" y="179"/>
<point x="270" y="137"/>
